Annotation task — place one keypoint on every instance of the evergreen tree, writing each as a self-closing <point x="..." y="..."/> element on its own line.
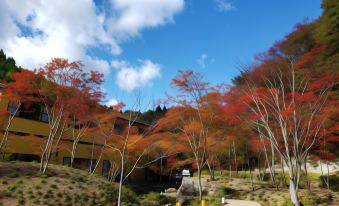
<point x="7" y="67"/>
<point x="328" y="30"/>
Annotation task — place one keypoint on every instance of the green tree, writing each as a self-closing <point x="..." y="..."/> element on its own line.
<point x="7" y="67"/>
<point x="328" y="29"/>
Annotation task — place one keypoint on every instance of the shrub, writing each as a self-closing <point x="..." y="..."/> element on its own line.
<point x="37" y="187"/>
<point x="266" y="177"/>
<point x="287" y="202"/>
<point x="21" y="201"/>
<point x="14" y="175"/>
<point x="227" y="192"/>
<point x="309" y="199"/>
<point x="79" y="179"/>
<point x="20" y="182"/>
<point x="334" y="182"/>
<point x="5" y="193"/>
<point x="54" y="186"/>
<point x="154" y="199"/>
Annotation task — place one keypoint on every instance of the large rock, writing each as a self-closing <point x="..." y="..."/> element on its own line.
<point x="171" y="190"/>
<point x="189" y="187"/>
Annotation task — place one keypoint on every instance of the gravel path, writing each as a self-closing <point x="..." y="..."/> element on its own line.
<point x="231" y="202"/>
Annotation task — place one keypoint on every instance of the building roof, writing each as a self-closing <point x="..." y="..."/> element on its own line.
<point x="2" y="85"/>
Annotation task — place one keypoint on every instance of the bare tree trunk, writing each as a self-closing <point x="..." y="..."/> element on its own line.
<point x="161" y="170"/>
<point x="272" y="168"/>
<point x="327" y="178"/>
<point x="308" y="183"/>
<point x="170" y="176"/>
<point x="92" y="157"/>
<point x="283" y="171"/>
<point x="294" y="193"/>
<point x="211" y="170"/>
<point x="4" y="140"/>
<point x="229" y="161"/>
<point x="199" y="183"/>
<point x="121" y="180"/>
<point x="249" y="167"/>
<point x="235" y="159"/>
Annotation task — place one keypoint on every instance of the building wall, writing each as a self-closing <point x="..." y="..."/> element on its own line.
<point x="22" y="141"/>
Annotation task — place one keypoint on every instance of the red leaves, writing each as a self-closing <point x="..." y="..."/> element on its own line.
<point x="119" y="106"/>
<point x="325" y="155"/>
<point x="24" y="88"/>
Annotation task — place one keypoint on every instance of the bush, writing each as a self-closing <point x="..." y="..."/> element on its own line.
<point x="5" y="193"/>
<point x="79" y="179"/>
<point x="266" y="177"/>
<point x="154" y="199"/>
<point x="309" y="199"/>
<point x="14" y="175"/>
<point x="306" y="199"/>
<point x="227" y="192"/>
<point x="110" y="193"/>
<point x="54" y="186"/>
<point x="334" y="182"/>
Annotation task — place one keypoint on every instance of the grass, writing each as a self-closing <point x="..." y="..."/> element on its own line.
<point x="60" y="186"/>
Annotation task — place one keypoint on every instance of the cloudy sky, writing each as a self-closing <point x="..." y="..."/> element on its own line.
<point x="141" y="44"/>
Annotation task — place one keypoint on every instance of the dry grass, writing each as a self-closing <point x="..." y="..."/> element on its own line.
<point x="22" y="184"/>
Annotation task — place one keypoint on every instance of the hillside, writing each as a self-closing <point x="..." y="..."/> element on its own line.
<point x="21" y="184"/>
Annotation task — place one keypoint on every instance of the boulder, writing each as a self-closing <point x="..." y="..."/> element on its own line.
<point x="171" y="190"/>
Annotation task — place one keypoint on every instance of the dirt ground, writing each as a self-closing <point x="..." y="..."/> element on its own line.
<point x="240" y="188"/>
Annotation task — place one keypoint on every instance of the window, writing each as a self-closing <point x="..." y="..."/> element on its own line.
<point x="141" y="131"/>
<point x="118" y="128"/>
<point x="12" y="107"/>
<point x="43" y="114"/>
<point x="66" y="161"/>
<point x="105" y="167"/>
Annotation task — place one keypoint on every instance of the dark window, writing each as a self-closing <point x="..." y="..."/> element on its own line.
<point x="106" y="165"/>
<point x="12" y="107"/>
<point x="67" y="161"/>
<point x="30" y="111"/>
<point x="80" y="163"/>
<point x="33" y="111"/>
<point x="43" y="114"/>
<point x="141" y="131"/>
<point x="118" y="128"/>
<point x="23" y="157"/>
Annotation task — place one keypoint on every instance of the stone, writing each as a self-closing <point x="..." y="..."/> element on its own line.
<point x="171" y="190"/>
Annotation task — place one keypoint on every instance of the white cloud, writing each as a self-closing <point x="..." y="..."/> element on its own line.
<point x="224" y="5"/>
<point x="131" y="77"/>
<point x="202" y="60"/>
<point x="34" y="31"/>
<point x="138" y="14"/>
<point x="111" y="102"/>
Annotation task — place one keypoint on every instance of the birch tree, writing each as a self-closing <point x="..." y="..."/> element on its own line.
<point x="64" y="82"/>
<point x="287" y="113"/>
<point x="22" y="90"/>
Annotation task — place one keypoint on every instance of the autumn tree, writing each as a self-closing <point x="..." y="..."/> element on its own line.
<point x="188" y="118"/>
<point x="125" y="139"/>
<point x="63" y="83"/>
<point x="290" y="116"/>
<point x="22" y="90"/>
<point x="166" y="146"/>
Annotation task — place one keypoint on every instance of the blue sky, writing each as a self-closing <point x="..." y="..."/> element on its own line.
<point x="209" y="36"/>
<point x="227" y="38"/>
